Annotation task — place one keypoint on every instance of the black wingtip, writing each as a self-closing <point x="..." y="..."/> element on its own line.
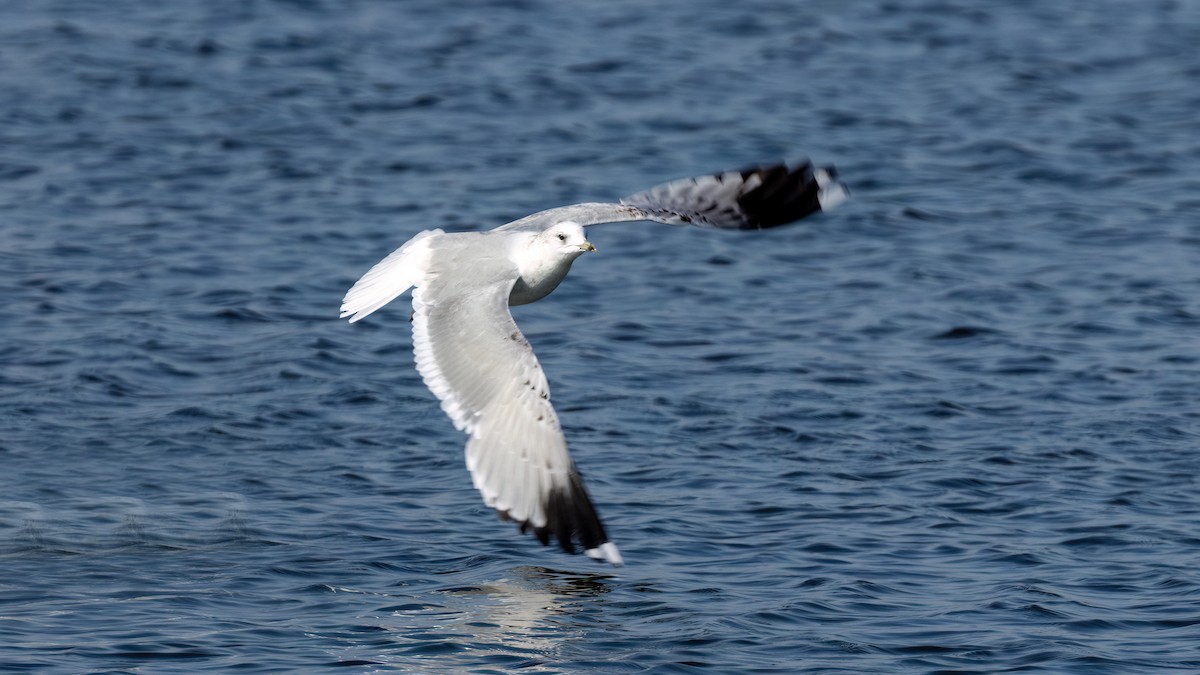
<point x="787" y="193"/>
<point x="571" y="516"/>
<point x="571" y="519"/>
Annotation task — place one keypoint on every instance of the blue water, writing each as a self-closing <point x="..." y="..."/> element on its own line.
<point x="953" y="426"/>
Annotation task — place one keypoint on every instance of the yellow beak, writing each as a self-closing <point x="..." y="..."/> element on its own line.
<point x="587" y="246"/>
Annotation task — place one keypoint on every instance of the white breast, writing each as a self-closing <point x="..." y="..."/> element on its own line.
<point x="536" y="283"/>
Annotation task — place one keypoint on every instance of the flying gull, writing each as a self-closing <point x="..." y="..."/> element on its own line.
<point x="473" y="357"/>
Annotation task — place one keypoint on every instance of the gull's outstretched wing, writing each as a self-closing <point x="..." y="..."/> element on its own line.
<point x="751" y="199"/>
<point x="476" y="361"/>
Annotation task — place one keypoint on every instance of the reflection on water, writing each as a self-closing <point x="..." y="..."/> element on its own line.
<point x="524" y="613"/>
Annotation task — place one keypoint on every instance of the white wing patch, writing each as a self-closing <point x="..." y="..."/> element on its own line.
<point x="831" y="192"/>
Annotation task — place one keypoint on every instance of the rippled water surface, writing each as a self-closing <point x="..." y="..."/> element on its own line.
<point x="952" y="426"/>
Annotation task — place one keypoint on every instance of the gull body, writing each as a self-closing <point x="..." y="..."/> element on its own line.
<point x="475" y="360"/>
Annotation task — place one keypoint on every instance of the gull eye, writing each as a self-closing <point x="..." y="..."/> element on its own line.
<point x="562" y="237"/>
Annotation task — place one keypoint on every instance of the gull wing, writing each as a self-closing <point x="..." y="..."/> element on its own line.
<point x="400" y="271"/>
<point x="476" y="361"/>
<point x="750" y="199"/>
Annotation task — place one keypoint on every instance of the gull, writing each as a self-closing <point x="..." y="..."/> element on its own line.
<point x="473" y="357"/>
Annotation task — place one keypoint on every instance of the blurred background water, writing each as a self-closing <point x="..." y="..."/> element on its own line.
<point x="950" y="427"/>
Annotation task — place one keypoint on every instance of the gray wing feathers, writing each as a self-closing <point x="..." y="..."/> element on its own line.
<point x="751" y="199"/>
<point x="756" y="198"/>
<point x="704" y="200"/>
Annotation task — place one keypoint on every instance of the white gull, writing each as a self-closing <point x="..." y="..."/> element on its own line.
<point x="475" y="360"/>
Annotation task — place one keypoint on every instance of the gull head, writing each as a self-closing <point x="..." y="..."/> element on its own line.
<point x="566" y="238"/>
<point x="546" y="259"/>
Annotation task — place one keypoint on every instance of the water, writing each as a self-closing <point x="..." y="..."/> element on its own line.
<point x="952" y="426"/>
